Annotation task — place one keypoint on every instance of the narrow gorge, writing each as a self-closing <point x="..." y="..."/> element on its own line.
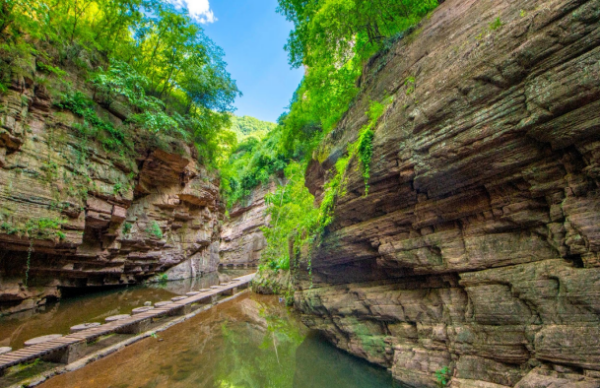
<point x="424" y="212"/>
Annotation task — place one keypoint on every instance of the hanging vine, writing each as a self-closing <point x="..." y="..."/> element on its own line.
<point x="28" y="264"/>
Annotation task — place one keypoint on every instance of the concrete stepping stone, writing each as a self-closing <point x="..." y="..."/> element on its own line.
<point x="140" y="310"/>
<point x="162" y="304"/>
<point x="148" y="303"/>
<point x="83" y="326"/>
<point x="214" y="287"/>
<point x="42" y="339"/>
<point x="178" y="298"/>
<point x="204" y="290"/>
<point x="5" y="349"/>
<point x="192" y="293"/>
<point x="117" y="317"/>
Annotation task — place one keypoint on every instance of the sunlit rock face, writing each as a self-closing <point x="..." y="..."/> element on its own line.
<point x="477" y="246"/>
<point x="76" y="213"/>
<point x="242" y="239"/>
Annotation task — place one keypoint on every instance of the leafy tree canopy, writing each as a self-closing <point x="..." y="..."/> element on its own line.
<point x="246" y="126"/>
<point x="148" y="52"/>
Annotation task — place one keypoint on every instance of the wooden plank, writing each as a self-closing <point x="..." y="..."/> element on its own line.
<point x="30" y="353"/>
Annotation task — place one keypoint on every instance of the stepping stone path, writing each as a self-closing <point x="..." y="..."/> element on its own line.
<point x="204" y="290"/>
<point x="42" y="339"/>
<point x="192" y="293"/>
<point x="147" y="303"/>
<point x="84" y="326"/>
<point x="49" y="344"/>
<point x="117" y="317"/>
<point x="140" y="310"/>
<point x="162" y="304"/>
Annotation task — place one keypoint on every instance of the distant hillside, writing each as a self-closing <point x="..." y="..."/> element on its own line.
<point x="247" y="126"/>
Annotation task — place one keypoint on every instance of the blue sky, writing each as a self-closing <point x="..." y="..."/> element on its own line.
<point x="252" y="35"/>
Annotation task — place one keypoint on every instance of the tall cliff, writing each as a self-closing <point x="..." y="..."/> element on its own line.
<point x="76" y="213"/>
<point x="477" y="246"/>
<point x="242" y="240"/>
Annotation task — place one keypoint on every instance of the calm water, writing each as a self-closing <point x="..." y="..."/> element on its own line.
<point x="93" y="306"/>
<point x="250" y="342"/>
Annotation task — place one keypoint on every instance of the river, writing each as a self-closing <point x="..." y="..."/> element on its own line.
<point x="252" y="341"/>
<point x="81" y="305"/>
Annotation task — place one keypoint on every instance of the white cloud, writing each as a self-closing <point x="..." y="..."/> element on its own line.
<point x="199" y="10"/>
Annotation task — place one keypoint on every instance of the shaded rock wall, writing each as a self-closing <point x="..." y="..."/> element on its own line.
<point x="242" y="241"/>
<point x="477" y="246"/>
<point x="79" y="214"/>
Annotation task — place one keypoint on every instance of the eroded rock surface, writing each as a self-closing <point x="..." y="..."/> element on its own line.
<point x="242" y="240"/>
<point x="76" y="213"/>
<point x="477" y="246"/>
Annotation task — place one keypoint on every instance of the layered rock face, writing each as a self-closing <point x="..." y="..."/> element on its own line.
<point x="76" y="213"/>
<point x="242" y="240"/>
<point x="477" y="246"/>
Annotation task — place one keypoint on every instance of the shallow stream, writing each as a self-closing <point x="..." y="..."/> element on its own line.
<point x="81" y="306"/>
<point x="252" y="341"/>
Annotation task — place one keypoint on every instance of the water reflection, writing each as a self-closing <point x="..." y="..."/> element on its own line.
<point x="250" y="342"/>
<point x="81" y="306"/>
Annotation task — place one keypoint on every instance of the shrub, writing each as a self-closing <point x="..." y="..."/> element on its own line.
<point x="442" y="376"/>
<point x="154" y="230"/>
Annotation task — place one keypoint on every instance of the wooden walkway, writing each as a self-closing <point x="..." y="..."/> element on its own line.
<point x="68" y="348"/>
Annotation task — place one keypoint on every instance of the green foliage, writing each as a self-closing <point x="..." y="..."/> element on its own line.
<point x="365" y="153"/>
<point x="442" y="376"/>
<point x="154" y="230"/>
<point x="253" y="163"/>
<point x="123" y="80"/>
<point x="497" y="23"/>
<point x="246" y="126"/>
<point x="149" y="55"/>
<point x="366" y="136"/>
<point x="362" y="148"/>
<point x="49" y="69"/>
<point x="111" y="137"/>
<point x="118" y="188"/>
<point x="334" y="188"/>
<point x="293" y="215"/>
<point x="34" y="228"/>
<point x="410" y="85"/>
<point x="163" y="278"/>
<point x="44" y="228"/>
<point x="126" y="229"/>
<point x="8" y="228"/>
<point x="333" y="39"/>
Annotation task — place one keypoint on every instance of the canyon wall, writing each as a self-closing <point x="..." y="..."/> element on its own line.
<point x="76" y="213"/>
<point x="242" y="240"/>
<point x="477" y="246"/>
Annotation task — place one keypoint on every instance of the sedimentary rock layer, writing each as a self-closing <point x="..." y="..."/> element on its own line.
<point x="242" y="240"/>
<point x="477" y="246"/>
<point x="77" y="213"/>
